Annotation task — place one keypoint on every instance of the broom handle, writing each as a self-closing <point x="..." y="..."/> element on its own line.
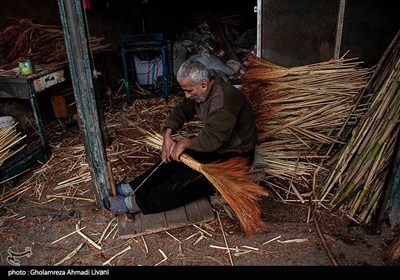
<point x="112" y="182"/>
<point x="191" y="162"/>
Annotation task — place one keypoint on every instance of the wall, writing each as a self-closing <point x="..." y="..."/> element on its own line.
<point x="294" y="32"/>
<point x="303" y="32"/>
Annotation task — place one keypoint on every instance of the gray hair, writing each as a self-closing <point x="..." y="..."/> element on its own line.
<point x="194" y="71"/>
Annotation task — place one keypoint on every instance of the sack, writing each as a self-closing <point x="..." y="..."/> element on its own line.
<point x="148" y="71"/>
<point x="179" y="54"/>
<point x="213" y="62"/>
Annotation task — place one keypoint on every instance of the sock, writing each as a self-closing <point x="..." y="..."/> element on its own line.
<point x="126" y="189"/>
<point x="131" y="204"/>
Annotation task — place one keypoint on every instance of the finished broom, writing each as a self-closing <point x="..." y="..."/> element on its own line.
<point x="230" y="178"/>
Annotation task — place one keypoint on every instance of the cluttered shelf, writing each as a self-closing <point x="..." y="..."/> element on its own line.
<point x="42" y="44"/>
<point x="34" y="60"/>
<point x="37" y="71"/>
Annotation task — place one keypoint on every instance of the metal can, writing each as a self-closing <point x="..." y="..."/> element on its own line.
<point x="25" y="67"/>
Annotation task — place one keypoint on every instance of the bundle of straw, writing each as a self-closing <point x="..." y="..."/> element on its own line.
<point x="302" y="115"/>
<point x="9" y="140"/>
<point x="230" y="178"/>
<point x="358" y="179"/>
<point x="44" y="44"/>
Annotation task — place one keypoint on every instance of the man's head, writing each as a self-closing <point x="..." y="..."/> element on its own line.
<point x="195" y="80"/>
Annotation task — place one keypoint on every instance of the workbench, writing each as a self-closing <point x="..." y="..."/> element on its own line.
<point x="30" y="86"/>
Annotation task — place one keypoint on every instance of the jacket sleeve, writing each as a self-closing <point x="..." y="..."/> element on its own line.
<point x="182" y="113"/>
<point x="216" y="131"/>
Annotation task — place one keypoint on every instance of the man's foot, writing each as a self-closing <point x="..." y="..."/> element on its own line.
<point x="123" y="189"/>
<point x="116" y="205"/>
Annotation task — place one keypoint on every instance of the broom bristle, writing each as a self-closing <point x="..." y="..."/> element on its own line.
<point x="230" y="178"/>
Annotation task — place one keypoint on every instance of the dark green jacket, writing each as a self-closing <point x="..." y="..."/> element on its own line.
<point x="227" y="117"/>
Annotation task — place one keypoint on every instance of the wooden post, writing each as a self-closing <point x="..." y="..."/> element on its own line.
<point x="339" y="29"/>
<point x="76" y="43"/>
<point x="112" y="182"/>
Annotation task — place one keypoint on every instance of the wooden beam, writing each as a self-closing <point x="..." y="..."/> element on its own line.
<point x="76" y="43"/>
<point x="339" y="29"/>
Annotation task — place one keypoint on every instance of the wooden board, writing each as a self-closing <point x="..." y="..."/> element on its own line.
<point x="194" y="212"/>
<point x="59" y="106"/>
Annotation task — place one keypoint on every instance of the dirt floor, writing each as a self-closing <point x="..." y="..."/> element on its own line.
<point x="40" y="217"/>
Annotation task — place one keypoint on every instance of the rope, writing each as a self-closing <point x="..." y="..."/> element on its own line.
<point x="149" y="175"/>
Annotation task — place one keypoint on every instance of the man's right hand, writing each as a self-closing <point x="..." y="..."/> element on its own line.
<point x="167" y="146"/>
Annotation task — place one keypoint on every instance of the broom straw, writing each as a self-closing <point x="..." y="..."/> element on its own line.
<point x="230" y="178"/>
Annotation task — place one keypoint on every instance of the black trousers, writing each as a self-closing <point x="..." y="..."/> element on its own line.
<point x="174" y="184"/>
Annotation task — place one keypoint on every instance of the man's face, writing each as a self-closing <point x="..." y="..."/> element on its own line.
<point x="195" y="93"/>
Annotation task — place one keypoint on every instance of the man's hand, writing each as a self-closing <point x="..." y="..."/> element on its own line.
<point x="172" y="149"/>
<point x="180" y="147"/>
<point x="168" y="144"/>
<point x="167" y="147"/>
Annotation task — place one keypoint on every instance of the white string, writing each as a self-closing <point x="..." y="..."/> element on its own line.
<point x="150" y="174"/>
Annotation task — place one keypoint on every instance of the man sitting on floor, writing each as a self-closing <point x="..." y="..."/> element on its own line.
<point x="228" y="131"/>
